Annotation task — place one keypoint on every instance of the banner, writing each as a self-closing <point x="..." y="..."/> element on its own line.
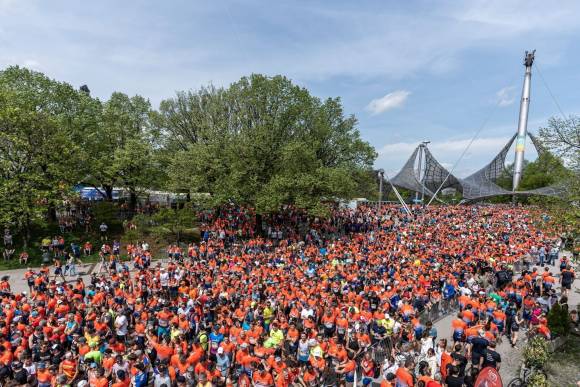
<point x="488" y="377"/>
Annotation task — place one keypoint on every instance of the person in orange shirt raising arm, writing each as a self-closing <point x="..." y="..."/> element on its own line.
<point x="347" y="369"/>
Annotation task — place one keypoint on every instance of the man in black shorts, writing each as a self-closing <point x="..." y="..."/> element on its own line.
<point x="566" y="279"/>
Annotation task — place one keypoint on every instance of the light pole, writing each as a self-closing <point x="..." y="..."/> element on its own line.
<point x="421" y="177"/>
<point x="523" y="121"/>
<point x="381" y="174"/>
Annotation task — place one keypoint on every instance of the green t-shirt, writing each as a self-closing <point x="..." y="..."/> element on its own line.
<point x="94" y="356"/>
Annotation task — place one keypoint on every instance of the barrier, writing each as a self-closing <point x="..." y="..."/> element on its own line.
<point x="382" y="349"/>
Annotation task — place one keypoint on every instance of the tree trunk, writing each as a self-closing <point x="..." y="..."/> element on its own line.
<point x="52" y="213"/>
<point x="26" y="232"/>
<point x="259" y="231"/>
<point x="132" y="201"/>
<point x="108" y="192"/>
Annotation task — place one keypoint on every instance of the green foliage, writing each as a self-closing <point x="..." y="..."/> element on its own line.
<point x="559" y="320"/>
<point x="262" y="142"/>
<point x="131" y="236"/>
<point x="265" y="142"/>
<point x="538" y="379"/>
<point x="119" y="143"/>
<point x="546" y="170"/>
<point x="37" y="158"/>
<point x="171" y="225"/>
<point x="562" y="136"/>
<point x="536" y="353"/>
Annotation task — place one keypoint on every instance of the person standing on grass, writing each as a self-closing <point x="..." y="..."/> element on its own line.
<point x="7" y="238"/>
<point x="8" y="253"/>
<point x="103" y="228"/>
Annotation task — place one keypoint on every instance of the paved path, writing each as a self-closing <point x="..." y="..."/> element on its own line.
<point x="512" y="357"/>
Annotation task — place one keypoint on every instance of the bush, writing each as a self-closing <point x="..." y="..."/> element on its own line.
<point x="538" y="379"/>
<point x="131" y="236"/>
<point x="559" y="320"/>
<point x="536" y="353"/>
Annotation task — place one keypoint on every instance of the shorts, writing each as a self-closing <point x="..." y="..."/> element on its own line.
<point x="526" y="315"/>
<point x="303" y="359"/>
<point x="567" y="286"/>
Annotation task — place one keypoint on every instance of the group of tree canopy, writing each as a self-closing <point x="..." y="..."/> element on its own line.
<point x="262" y="141"/>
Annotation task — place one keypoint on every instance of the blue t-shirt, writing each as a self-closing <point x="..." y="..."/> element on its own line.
<point x="141" y="379"/>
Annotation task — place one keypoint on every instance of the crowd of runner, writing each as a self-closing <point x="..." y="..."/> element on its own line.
<point x="305" y="302"/>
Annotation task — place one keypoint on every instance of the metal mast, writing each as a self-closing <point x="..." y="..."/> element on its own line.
<point x="523" y="121"/>
<point x="381" y="174"/>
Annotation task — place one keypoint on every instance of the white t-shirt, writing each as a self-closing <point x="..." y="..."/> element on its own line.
<point x="306" y="313"/>
<point x="164" y="279"/>
<point x="121" y="325"/>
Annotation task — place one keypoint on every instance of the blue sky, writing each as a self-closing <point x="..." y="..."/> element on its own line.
<point x="408" y="70"/>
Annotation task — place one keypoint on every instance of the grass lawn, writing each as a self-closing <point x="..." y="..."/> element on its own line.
<point x="157" y="240"/>
<point x="77" y="236"/>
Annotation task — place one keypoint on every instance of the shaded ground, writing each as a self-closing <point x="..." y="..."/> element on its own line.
<point x="564" y="365"/>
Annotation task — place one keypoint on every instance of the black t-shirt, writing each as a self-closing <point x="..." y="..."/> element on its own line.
<point x="462" y="360"/>
<point x="21" y="376"/>
<point x="479" y="345"/>
<point x="567" y="277"/>
<point x="491" y="358"/>
<point x="454" y="381"/>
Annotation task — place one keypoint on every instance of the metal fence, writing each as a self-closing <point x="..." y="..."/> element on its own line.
<point x="439" y="310"/>
<point x="381" y="350"/>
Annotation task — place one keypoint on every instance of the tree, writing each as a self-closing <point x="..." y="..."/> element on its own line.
<point x="265" y="142"/>
<point x="118" y="151"/>
<point x="545" y="171"/>
<point x="36" y="152"/>
<point x="190" y="117"/>
<point x="559" y="320"/>
<point x="562" y="136"/>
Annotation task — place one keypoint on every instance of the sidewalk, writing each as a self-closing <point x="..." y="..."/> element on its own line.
<point x="511" y="357"/>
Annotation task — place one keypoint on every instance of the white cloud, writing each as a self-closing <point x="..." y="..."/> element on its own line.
<point x="147" y="50"/>
<point x="506" y="96"/>
<point x="390" y="101"/>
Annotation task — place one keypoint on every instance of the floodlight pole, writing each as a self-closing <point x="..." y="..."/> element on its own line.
<point x="381" y="174"/>
<point x="523" y="121"/>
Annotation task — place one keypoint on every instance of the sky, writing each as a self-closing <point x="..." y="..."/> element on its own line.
<point x="408" y="70"/>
